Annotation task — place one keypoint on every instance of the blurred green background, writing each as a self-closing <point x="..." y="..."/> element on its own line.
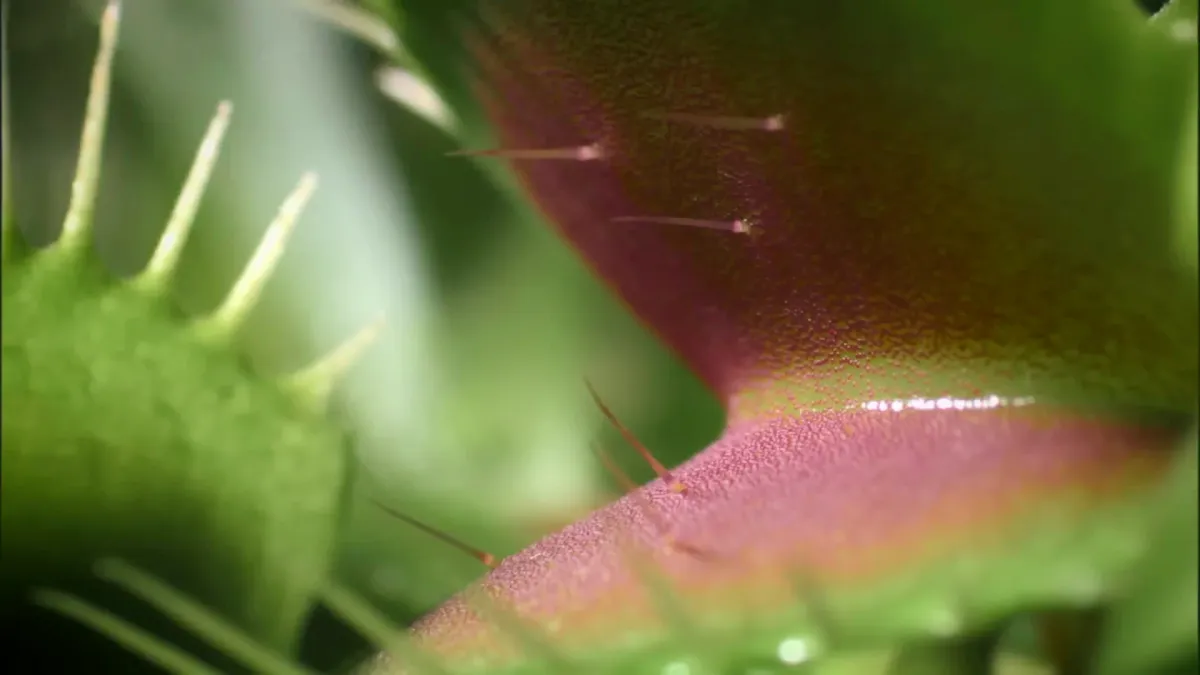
<point x="471" y="412"/>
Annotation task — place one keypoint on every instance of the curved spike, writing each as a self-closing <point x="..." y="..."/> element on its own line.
<point x="201" y="621"/>
<point x="479" y="554"/>
<point x="736" y="226"/>
<point x="78" y="223"/>
<point x="224" y="322"/>
<point x="663" y="472"/>
<point x="313" y="385"/>
<point x="156" y="277"/>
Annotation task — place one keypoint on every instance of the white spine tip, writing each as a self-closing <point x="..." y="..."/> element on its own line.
<point x="78" y="222"/>
<point x="156" y="278"/>
<point x="225" y="321"/>
<point x="313" y="385"/>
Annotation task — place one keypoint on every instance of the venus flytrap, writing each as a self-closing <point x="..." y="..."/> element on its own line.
<point x="958" y="304"/>
<point x="131" y="431"/>
<point x="921" y="450"/>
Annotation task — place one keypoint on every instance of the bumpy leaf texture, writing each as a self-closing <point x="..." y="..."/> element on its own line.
<point x="922" y="251"/>
<point x="131" y="430"/>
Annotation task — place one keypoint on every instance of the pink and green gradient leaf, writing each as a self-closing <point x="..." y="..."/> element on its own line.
<point x="956" y="344"/>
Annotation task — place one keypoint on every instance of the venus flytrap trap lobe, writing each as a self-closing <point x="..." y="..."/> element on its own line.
<point x="631" y="489"/>
<point x="913" y="243"/>
<point x="130" y="432"/>
<point x="949" y="597"/>
<point x="663" y="598"/>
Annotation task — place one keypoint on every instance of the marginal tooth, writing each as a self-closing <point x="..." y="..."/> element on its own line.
<point x="738" y="226"/>
<point x="412" y="92"/>
<point x="771" y="123"/>
<point x="78" y="223"/>
<point x="313" y="385"/>
<point x="579" y="153"/>
<point x="224" y="322"/>
<point x="156" y="278"/>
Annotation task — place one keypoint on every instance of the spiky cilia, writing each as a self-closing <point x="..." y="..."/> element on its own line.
<point x="132" y="430"/>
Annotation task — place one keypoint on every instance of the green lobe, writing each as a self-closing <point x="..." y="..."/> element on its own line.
<point x="123" y="436"/>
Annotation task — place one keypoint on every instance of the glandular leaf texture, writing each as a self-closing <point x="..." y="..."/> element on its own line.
<point x="923" y="253"/>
